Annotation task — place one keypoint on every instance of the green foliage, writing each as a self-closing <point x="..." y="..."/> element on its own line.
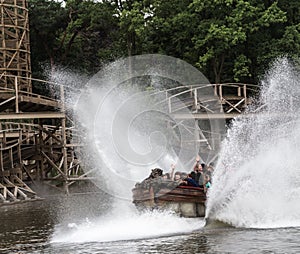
<point x="225" y="27"/>
<point x="228" y="40"/>
<point x="241" y="68"/>
<point x="75" y="34"/>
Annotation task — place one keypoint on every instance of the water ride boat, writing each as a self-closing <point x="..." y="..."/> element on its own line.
<point x="161" y="194"/>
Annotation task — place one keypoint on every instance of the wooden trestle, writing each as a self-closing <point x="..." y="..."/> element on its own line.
<point x="35" y="145"/>
<point x="35" y="140"/>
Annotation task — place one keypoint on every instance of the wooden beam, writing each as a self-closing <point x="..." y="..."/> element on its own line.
<point x="33" y="115"/>
<point x="205" y="116"/>
<point x="50" y="134"/>
<point x="224" y="116"/>
<point x="54" y="165"/>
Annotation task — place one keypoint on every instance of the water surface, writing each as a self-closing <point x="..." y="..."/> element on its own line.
<point x="38" y="227"/>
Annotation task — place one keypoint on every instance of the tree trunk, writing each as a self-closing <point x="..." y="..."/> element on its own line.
<point x="218" y="68"/>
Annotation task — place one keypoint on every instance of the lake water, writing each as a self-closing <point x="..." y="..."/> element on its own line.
<point x="255" y="187"/>
<point x="90" y="223"/>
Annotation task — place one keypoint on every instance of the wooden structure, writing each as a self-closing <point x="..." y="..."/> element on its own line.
<point x="14" y="45"/>
<point x="37" y="145"/>
<point x="211" y="101"/>
<point x="184" y="200"/>
<point x="208" y="104"/>
<point x="31" y="149"/>
<point x="35" y="142"/>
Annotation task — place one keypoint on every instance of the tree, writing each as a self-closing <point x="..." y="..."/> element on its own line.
<point x="228" y="40"/>
<point x="224" y="27"/>
<point x="47" y="21"/>
<point x="77" y="34"/>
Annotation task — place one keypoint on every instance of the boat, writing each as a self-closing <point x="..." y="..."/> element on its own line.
<point x="186" y="201"/>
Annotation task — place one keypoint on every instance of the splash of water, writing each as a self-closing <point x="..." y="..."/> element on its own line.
<point x="130" y="226"/>
<point x="127" y="131"/>
<point x="257" y="180"/>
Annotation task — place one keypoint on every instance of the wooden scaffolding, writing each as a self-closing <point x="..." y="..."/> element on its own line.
<point x="14" y="45"/>
<point x="35" y="141"/>
<point x="37" y="144"/>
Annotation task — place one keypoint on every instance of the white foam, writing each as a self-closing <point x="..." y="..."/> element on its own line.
<point x="256" y="183"/>
<point x="127" y="226"/>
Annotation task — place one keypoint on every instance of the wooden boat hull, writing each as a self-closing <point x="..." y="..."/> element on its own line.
<point x="185" y="200"/>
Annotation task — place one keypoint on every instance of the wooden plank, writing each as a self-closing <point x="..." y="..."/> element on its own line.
<point x="33" y="115"/>
<point x="54" y="165"/>
<point x="2" y="197"/>
<point x="171" y="195"/>
<point x="10" y="135"/>
<point x="38" y="100"/>
<point x="180" y="199"/>
<point x="205" y="116"/>
<point x="21" y="193"/>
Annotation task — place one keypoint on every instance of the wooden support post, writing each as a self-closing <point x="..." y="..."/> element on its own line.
<point x="245" y="95"/>
<point x="221" y="97"/>
<point x="11" y="158"/>
<point x="71" y="164"/>
<point x="196" y="99"/>
<point x="65" y="155"/>
<point x="215" y="90"/>
<point x="40" y="167"/>
<point x="170" y="105"/>
<point x="1" y="158"/>
<point x="64" y="141"/>
<point x="19" y="147"/>
<point x="4" y="139"/>
<point x="17" y="94"/>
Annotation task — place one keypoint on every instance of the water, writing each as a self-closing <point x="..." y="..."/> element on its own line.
<point x="128" y="127"/>
<point x="255" y="190"/>
<point x="257" y="181"/>
<point x="30" y="228"/>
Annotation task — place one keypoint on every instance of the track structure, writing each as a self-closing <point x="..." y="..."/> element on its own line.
<point x="35" y="132"/>
<point x="210" y="108"/>
<point x="39" y="142"/>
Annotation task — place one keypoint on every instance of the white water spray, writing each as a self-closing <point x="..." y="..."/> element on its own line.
<point x="126" y="227"/>
<point x="127" y="127"/>
<point x="257" y="179"/>
<point x="124" y="113"/>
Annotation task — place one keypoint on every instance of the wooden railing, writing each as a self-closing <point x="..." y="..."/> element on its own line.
<point x="16" y="95"/>
<point x="211" y="98"/>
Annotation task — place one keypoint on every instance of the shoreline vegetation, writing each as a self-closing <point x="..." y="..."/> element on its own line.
<point x="225" y="40"/>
